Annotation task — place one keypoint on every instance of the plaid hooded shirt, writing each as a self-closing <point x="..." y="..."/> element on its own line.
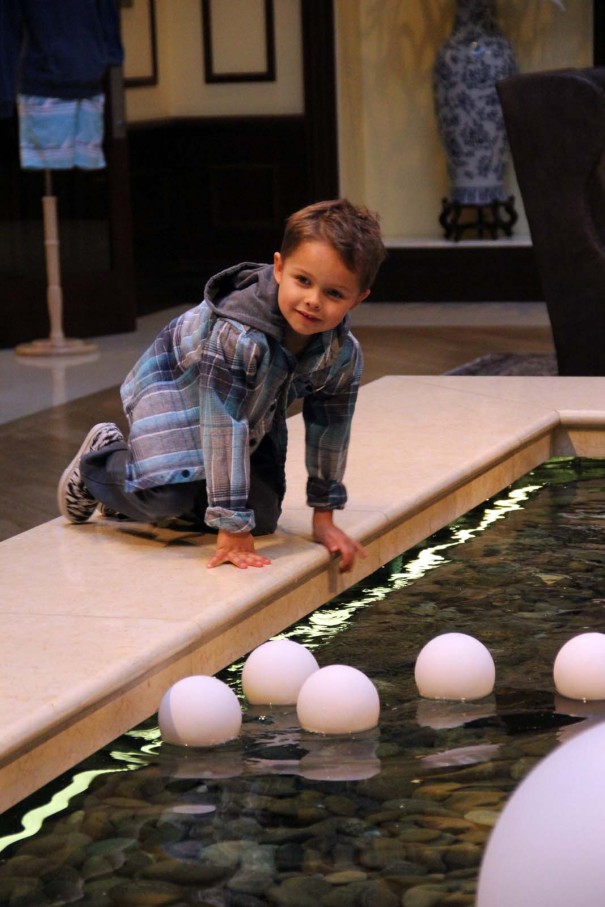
<point x="218" y="378"/>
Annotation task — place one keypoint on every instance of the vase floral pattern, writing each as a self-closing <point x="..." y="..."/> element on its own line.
<point x="469" y="115"/>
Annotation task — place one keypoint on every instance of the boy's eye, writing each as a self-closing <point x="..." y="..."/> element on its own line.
<point x="335" y="294"/>
<point x="303" y="280"/>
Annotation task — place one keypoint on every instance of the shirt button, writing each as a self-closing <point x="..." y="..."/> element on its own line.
<point x="185" y="473"/>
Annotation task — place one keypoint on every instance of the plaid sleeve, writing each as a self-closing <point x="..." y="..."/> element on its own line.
<point x="328" y="414"/>
<point x="227" y="377"/>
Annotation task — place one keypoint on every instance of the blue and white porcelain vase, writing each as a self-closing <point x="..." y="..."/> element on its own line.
<point x="469" y="115"/>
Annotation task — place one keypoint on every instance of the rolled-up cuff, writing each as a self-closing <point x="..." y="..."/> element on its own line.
<point x="324" y="494"/>
<point x="236" y="521"/>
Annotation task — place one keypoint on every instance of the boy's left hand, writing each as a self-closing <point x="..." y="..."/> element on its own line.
<point x="335" y="540"/>
<point x="236" y="549"/>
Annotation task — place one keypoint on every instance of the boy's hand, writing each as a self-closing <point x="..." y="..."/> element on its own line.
<point x="236" y="549"/>
<point x="335" y="540"/>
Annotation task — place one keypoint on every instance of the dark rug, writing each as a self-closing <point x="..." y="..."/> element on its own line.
<point x="531" y="364"/>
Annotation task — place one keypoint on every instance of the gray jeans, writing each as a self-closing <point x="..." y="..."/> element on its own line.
<point x="103" y="473"/>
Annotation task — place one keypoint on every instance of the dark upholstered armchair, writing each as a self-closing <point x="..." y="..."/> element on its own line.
<point x="556" y="129"/>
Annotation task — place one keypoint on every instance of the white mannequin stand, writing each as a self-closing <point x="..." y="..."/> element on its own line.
<point x="57" y="344"/>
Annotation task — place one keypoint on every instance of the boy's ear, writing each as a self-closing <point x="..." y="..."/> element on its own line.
<point x="361" y="298"/>
<point x="278" y="267"/>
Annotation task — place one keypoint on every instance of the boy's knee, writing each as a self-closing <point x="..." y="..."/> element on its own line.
<point x="165" y="502"/>
<point x="266" y="523"/>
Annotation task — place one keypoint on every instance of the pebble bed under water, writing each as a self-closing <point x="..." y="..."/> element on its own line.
<point x="395" y="817"/>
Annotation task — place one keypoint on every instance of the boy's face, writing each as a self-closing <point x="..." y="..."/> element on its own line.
<point x="316" y="289"/>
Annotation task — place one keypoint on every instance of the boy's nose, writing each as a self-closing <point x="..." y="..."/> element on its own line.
<point x="312" y="298"/>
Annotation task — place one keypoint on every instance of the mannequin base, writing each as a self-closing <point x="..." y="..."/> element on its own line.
<point x="61" y="347"/>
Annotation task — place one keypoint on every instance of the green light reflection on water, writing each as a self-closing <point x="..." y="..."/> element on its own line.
<point x="33" y="820"/>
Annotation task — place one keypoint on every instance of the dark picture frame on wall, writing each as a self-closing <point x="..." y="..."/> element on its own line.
<point x="214" y="70"/>
<point x="144" y="11"/>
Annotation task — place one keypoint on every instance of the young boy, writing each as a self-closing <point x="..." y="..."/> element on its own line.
<point x="206" y="403"/>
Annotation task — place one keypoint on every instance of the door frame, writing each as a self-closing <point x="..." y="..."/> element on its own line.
<point x="320" y="110"/>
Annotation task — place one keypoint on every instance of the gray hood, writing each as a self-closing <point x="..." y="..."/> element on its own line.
<point x="247" y="293"/>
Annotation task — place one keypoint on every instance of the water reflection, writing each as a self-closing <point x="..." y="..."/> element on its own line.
<point x="438" y="714"/>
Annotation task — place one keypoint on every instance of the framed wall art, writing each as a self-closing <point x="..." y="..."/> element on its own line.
<point x="226" y="60"/>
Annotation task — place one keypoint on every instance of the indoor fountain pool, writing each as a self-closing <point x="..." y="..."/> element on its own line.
<point x="398" y="815"/>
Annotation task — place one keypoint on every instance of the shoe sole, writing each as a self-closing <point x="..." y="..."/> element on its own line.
<point x="61" y="488"/>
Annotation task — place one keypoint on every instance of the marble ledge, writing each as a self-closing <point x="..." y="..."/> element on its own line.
<point x="559" y="394"/>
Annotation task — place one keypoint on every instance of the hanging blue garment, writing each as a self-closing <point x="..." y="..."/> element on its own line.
<point x="57" y="48"/>
<point x="55" y="134"/>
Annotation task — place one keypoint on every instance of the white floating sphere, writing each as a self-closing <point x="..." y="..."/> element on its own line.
<point x="579" y="668"/>
<point x="455" y="666"/>
<point x="547" y="846"/>
<point x="274" y="672"/>
<point x="199" y="711"/>
<point x="338" y="699"/>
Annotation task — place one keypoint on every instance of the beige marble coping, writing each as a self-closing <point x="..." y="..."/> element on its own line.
<point x="98" y="620"/>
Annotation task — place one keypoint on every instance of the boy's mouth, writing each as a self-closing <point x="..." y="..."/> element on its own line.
<point x="306" y="316"/>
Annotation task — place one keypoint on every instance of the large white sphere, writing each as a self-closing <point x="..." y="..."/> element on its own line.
<point x="274" y="672"/>
<point x="199" y="711"/>
<point x="455" y="666"/>
<point x="547" y="846"/>
<point x="579" y="668"/>
<point x="338" y="699"/>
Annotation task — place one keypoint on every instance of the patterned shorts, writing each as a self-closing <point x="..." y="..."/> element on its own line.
<point x="55" y="134"/>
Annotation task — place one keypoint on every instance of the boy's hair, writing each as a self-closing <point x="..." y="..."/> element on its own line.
<point x="353" y="232"/>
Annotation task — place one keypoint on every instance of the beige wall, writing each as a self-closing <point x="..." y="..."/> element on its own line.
<point x="390" y="153"/>
<point x="181" y="89"/>
<point x="391" y="156"/>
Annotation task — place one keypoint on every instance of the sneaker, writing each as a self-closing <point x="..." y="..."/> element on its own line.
<point x="75" y="501"/>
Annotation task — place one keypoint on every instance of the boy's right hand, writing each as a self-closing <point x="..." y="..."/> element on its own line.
<point x="236" y="549"/>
